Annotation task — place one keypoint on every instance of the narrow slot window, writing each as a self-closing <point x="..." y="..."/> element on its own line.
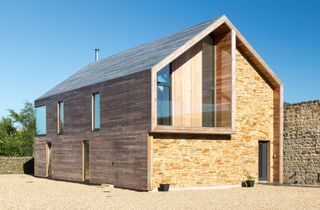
<point x="95" y="111"/>
<point x="208" y="83"/>
<point x="60" y="118"/>
<point x="164" y="96"/>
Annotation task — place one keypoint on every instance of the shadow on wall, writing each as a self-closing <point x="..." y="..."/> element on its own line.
<point x="28" y="167"/>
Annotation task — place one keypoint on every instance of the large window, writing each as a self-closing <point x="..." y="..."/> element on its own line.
<point x="60" y="117"/>
<point x="41" y="127"/>
<point x="208" y="85"/>
<point x="95" y="111"/>
<point x="164" y="96"/>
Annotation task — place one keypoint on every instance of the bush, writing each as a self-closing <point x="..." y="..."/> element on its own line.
<point x="16" y="145"/>
<point x="17" y="132"/>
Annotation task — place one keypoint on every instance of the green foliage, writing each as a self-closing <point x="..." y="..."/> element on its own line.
<point x="17" y="131"/>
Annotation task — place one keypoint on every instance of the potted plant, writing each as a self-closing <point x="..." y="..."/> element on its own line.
<point x="243" y="184"/>
<point x="164" y="187"/>
<point x="250" y="181"/>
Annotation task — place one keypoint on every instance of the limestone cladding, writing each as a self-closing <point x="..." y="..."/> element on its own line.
<point x="198" y="160"/>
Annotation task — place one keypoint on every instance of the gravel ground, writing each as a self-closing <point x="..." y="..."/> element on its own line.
<point x="28" y="192"/>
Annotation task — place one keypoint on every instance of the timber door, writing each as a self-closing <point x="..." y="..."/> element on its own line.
<point x="48" y="148"/>
<point x="263" y="160"/>
<point x="86" y="161"/>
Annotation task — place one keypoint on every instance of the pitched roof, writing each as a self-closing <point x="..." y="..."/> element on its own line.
<point x="136" y="59"/>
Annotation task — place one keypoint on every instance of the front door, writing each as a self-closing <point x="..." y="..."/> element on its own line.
<point x="86" y="165"/>
<point x="263" y="160"/>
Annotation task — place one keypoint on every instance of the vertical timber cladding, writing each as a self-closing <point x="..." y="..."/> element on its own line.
<point x="186" y="88"/>
<point x="118" y="151"/>
<point x="223" y="83"/>
<point x="187" y="80"/>
<point x="40" y="156"/>
<point x="200" y="160"/>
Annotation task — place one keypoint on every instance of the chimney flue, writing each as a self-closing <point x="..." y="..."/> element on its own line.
<point x="96" y="54"/>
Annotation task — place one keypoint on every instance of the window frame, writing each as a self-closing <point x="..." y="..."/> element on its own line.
<point x="45" y="133"/>
<point x="59" y="130"/>
<point x="211" y="88"/>
<point x="93" y="111"/>
<point x="165" y="85"/>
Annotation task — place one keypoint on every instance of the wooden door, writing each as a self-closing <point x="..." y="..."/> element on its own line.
<point x="86" y="161"/>
<point x="48" y="149"/>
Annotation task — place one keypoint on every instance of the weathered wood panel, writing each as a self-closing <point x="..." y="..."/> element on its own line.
<point x="186" y="88"/>
<point x="118" y="151"/>
<point x="223" y="83"/>
<point x="278" y="135"/>
<point x="40" y="156"/>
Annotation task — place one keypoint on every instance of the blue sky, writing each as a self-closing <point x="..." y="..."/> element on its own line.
<point x="44" y="42"/>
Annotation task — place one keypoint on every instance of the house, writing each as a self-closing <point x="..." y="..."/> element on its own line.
<point x="195" y="108"/>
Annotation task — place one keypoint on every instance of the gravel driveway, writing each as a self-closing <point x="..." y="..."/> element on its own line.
<point x="27" y="192"/>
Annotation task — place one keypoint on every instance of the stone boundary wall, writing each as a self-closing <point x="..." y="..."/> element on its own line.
<point x="16" y="165"/>
<point x="301" y="143"/>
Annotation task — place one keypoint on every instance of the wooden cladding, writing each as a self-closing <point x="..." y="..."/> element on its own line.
<point x="186" y="88"/>
<point x="223" y="79"/>
<point x="203" y="88"/>
<point x="118" y="152"/>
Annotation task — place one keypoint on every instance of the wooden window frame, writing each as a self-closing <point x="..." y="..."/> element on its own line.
<point x="36" y="134"/>
<point x="48" y="157"/>
<point x="93" y="129"/>
<point x="211" y="89"/>
<point x="170" y="92"/>
<point x="83" y="159"/>
<point x="59" y="130"/>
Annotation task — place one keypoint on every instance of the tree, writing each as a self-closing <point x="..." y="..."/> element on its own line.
<point x="25" y="119"/>
<point x="17" y="131"/>
<point x="7" y="126"/>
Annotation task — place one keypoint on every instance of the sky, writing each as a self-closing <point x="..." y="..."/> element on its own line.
<point x="44" y="42"/>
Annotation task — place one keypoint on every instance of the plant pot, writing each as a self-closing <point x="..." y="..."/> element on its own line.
<point x="250" y="183"/>
<point x="243" y="184"/>
<point x="164" y="187"/>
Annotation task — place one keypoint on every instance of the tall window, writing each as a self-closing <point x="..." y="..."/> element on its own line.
<point x="95" y="111"/>
<point x="164" y="96"/>
<point x="60" y="118"/>
<point x="41" y="127"/>
<point x="208" y="84"/>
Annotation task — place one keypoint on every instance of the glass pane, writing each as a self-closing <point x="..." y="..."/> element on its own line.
<point x="208" y="64"/>
<point x="61" y="115"/>
<point x="208" y="82"/>
<point x="207" y="108"/>
<point x="41" y="120"/>
<point x="164" y="96"/>
<point x="96" y="97"/>
<point x="164" y="105"/>
<point x="164" y="75"/>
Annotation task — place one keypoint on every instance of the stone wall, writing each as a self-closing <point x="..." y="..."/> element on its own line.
<point x="198" y="160"/>
<point x="302" y="143"/>
<point x="16" y="165"/>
